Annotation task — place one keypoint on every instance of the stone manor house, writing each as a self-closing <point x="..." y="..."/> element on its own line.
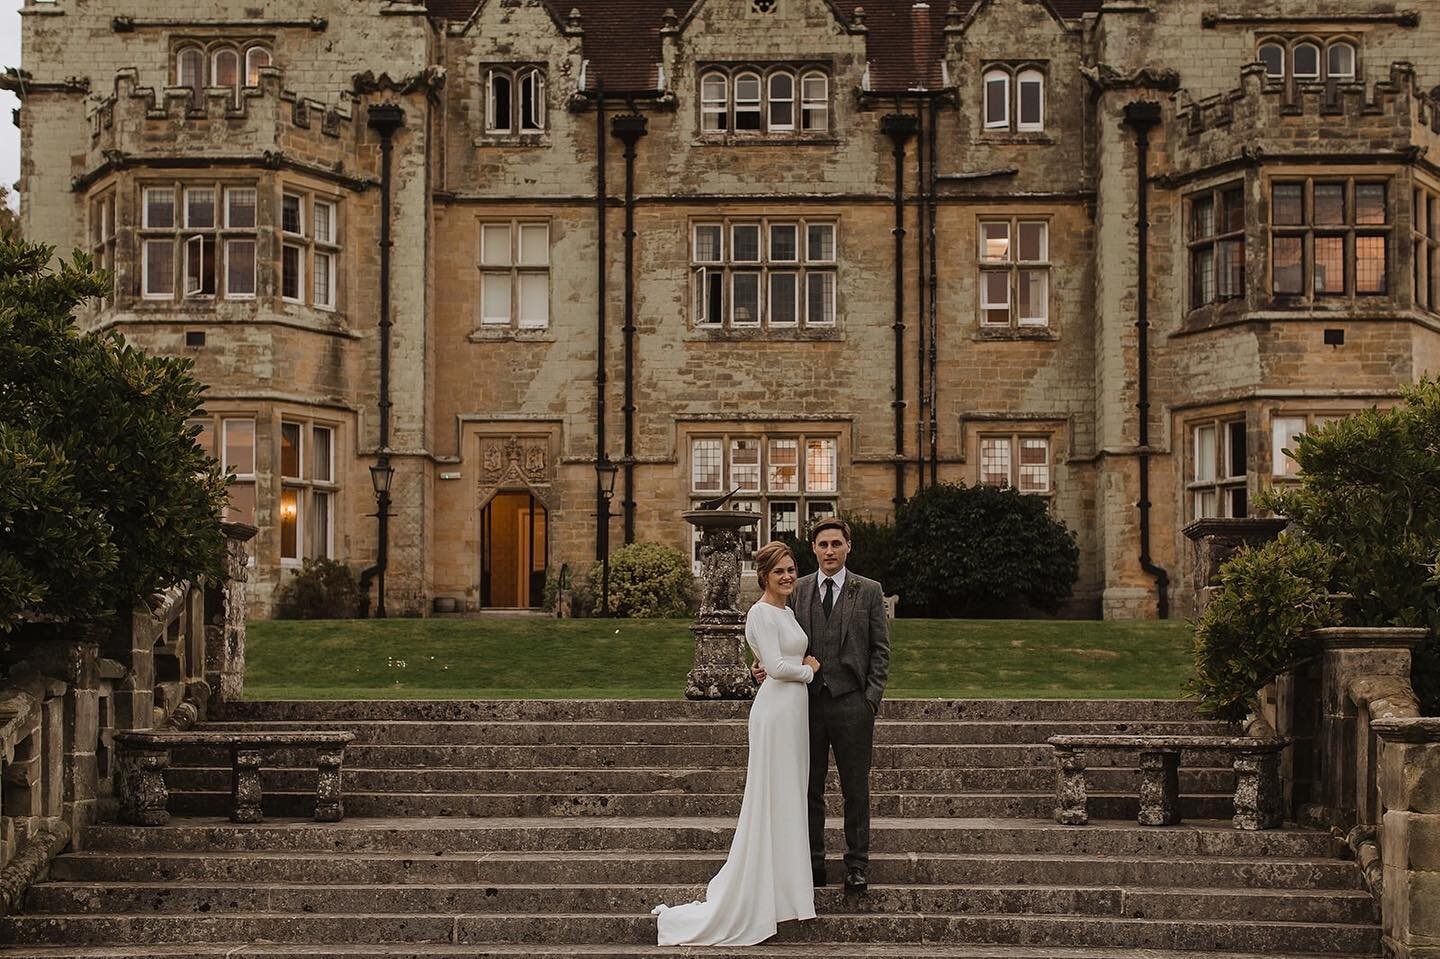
<point x="571" y="266"/>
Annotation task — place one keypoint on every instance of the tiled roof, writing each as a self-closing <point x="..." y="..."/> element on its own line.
<point x="904" y="42"/>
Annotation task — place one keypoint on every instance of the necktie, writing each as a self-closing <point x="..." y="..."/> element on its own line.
<point x="828" y="603"/>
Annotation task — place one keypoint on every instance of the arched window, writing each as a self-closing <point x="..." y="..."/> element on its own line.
<point x="532" y="101"/>
<point x="498" y="104"/>
<point x="1340" y="61"/>
<point x="997" y="100"/>
<point x="814" y="102"/>
<point x="714" y="103"/>
<point x="225" y="71"/>
<point x="256" y="59"/>
<point x="1031" y="101"/>
<point x="782" y="101"/>
<point x="1273" y="56"/>
<point x="190" y="69"/>
<point x="1305" y="61"/>
<point x="747" y="101"/>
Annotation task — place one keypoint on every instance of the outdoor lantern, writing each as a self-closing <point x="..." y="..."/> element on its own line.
<point x="380" y="476"/>
<point x="607" y="471"/>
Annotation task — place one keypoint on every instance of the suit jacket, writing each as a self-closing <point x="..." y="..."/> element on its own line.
<point x="864" y="630"/>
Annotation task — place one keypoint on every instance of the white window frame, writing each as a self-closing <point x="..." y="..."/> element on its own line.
<point x="299" y="556"/>
<point x="1223" y="484"/>
<point x="514" y="269"/>
<point x="492" y="99"/>
<point x="1003" y="76"/>
<point x="1029" y="75"/>
<point x="811" y="106"/>
<point x="1330" y="72"/>
<point x="1284" y="59"/>
<point x="754" y="106"/>
<point x="197" y="83"/>
<point x="803" y="266"/>
<point x="326" y="247"/>
<point x="534" y="78"/>
<point x="234" y="87"/>
<point x="1015" y="268"/>
<point x="252" y="70"/>
<point x="300" y="430"/>
<point x="711" y="107"/>
<point x="1319" y="61"/>
<point x="771" y="100"/>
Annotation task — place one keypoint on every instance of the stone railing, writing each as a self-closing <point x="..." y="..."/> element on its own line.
<point x="67" y="688"/>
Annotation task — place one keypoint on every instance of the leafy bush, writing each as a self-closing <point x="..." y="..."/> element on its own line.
<point x="650" y="580"/>
<point x="319" y="589"/>
<point x="88" y="399"/>
<point x="1258" y="625"/>
<point x="981" y="551"/>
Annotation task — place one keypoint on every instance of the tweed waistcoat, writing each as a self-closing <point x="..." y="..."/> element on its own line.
<point x="825" y="637"/>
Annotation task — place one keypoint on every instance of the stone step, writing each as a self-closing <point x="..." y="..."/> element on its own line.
<point x="711" y="732"/>
<point x="359" y="802"/>
<point x="950" y="835"/>
<point x="668" y="757"/>
<point x="668" y="710"/>
<point x="690" y="868"/>
<point x="554" y="928"/>
<point x="650" y="780"/>
<point x="1271" y="905"/>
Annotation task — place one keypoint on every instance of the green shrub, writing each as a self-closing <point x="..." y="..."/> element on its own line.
<point x="578" y="583"/>
<point x="980" y="551"/>
<point x="319" y="589"/>
<point x="649" y="580"/>
<point x="1258" y="625"/>
<point x="120" y="416"/>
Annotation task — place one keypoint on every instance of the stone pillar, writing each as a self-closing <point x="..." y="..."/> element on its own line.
<point x="1160" y="787"/>
<point x="720" y="671"/>
<point x="1071" y="796"/>
<point x="1409" y="784"/>
<point x="225" y="615"/>
<point x="140" y="783"/>
<point x="1259" y="800"/>
<point x="1213" y="541"/>
<point x="245" y="785"/>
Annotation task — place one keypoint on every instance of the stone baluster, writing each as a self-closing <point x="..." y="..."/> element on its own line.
<point x="1070" y="792"/>
<point x="1159" y="787"/>
<point x="329" y="807"/>
<point x="1259" y="798"/>
<point x="245" y="785"/>
<point x="143" y="799"/>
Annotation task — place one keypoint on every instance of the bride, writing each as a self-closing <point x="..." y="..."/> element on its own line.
<point x="766" y="880"/>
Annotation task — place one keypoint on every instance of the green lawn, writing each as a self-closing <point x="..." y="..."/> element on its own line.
<point x="648" y="659"/>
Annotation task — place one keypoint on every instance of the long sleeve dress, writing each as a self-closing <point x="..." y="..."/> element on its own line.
<point x="766" y="879"/>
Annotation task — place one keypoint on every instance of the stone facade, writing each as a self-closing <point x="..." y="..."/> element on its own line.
<point x="495" y="420"/>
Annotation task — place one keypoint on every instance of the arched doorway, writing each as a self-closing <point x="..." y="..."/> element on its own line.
<point x="514" y="550"/>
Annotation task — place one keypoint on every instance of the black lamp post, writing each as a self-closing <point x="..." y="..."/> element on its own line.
<point x="605" y="479"/>
<point x="381" y="475"/>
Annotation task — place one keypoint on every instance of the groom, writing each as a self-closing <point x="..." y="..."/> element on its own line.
<point x="843" y="614"/>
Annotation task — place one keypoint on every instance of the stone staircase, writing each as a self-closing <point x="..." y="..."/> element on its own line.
<point x="515" y="828"/>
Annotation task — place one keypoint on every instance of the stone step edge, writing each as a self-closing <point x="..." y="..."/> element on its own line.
<point x="470" y="793"/>
<point x="812" y="950"/>
<point x="676" y="770"/>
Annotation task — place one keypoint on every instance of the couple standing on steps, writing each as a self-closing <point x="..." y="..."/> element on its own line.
<point x="827" y="631"/>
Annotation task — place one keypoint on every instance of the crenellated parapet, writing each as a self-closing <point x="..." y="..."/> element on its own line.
<point x="1266" y="117"/>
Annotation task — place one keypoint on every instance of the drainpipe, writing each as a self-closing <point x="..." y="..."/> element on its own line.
<point x="602" y="505"/>
<point x="384" y="119"/>
<point x="1142" y="116"/>
<point x="933" y="292"/>
<point x="629" y="127"/>
<point x="899" y="127"/>
<point x="921" y="379"/>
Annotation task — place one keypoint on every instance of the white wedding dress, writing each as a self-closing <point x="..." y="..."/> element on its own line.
<point x="766" y="880"/>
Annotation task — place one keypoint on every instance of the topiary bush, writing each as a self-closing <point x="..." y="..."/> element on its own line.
<point x="1259" y="623"/>
<point x="649" y="580"/>
<point x="981" y="551"/>
<point x="319" y="589"/>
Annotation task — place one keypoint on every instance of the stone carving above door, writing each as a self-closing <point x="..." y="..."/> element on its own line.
<point x="515" y="460"/>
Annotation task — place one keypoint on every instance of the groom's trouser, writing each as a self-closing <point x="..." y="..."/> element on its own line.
<point x="845" y="724"/>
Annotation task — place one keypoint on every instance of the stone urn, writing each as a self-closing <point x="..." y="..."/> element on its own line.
<point x="720" y="671"/>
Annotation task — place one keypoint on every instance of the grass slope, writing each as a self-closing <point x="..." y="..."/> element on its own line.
<point x="648" y="659"/>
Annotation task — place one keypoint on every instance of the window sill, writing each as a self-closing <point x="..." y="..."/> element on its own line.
<point x="1038" y="138"/>
<point x="762" y="335"/>
<point x="500" y="334"/>
<point x="766" y="140"/>
<point x="263" y="311"/>
<point x="1014" y="333"/>
<point x="512" y="140"/>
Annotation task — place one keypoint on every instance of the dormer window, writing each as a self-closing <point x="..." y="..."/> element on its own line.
<point x="1014" y="99"/>
<point x="1308" y="59"/>
<point x="515" y="100"/>
<point x="749" y="100"/>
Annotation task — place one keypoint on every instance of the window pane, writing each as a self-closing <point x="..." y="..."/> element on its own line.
<point x="1033" y="242"/>
<point x="820" y="466"/>
<point x="1284" y="430"/>
<point x="816" y="510"/>
<point x="1202" y="276"/>
<point x="321" y="451"/>
<point x="240" y="208"/>
<point x="1370" y="265"/>
<point x="995" y="241"/>
<point x="256" y="58"/>
<point x="534" y="244"/>
<point x="200" y="208"/>
<point x="707" y="243"/>
<point x="227" y="68"/>
<point x="996" y="290"/>
<point x="714" y="102"/>
<point x="1342" y="61"/>
<point x="1207" y="464"/>
<point x="1329" y="203"/>
<point x="784" y="518"/>
<point x="320" y="525"/>
<point x="290" y="450"/>
<point x="205" y="439"/>
<point x="160" y="267"/>
<point x="1205" y="504"/>
<point x="324" y="215"/>
<point x="1273" y="56"/>
<point x="1232" y="204"/>
<point x="994" y="461"/>
<point x="782" y="101"/>
<point x="784" y="242"/>
<point x="495" y="298"/>
<point x="191" y="71"/>
<point x="1232" y="268"/>
<point x="289" y="523"/>
<point x="784" y="473"/>
<point x="1202" y="218"/>
<point x="495" y="244"/>
<point x="783" y="289"/>
<point x="715" y="296"/>
<point x="815" y="107"/>
<point x="499" y="101"/>
<point x="1034" y="465"/>
<point x="747" y="102"/>
<point x="1370" y="203"/>
<point x="1237" y="502"/>
<point x="534" y="299"/>
<point x="745" y="243"/>
<point x="1329" y="264"/>
<point x="820" y="243"/>
<point x="532" y="101"/>
<point x="239" y="446"/>
<point x="1307" y="61"/>
<point x="1286" y="270"/>
<point x="819" y="298"/>
<point x="745" y="298"/>
<point x="1031" y="116"/>
<point x="323" y="279"/>
<point x="200" y="265"/>
<point x="291" y="271"/>
<point x="1235" y="447"/>
<point x="290" y="219"/>
<point x="997" y="101"/>
<point x="745" y="465"/>
<point x="1034" y="293"/>
<point x="705" y="466"/>
<point x="241" y="508"/>
<point x="159" y="208"/>
<point x="1287" y="204"/>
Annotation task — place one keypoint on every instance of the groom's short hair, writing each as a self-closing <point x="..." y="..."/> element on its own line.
<point x="830" y="522"/>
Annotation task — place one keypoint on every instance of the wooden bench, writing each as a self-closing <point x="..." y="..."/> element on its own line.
<point x="142" y="758"/>
<point x="1258" y="798"/>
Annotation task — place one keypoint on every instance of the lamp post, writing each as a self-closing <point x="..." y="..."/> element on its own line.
<point x="605" y="480"/>
<point x="381" y="475"/>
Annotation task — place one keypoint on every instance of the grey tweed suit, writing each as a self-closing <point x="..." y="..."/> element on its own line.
<point x="853" y="646"/>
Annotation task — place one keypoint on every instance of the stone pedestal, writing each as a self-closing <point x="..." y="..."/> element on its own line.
<point x="720" y="670"/>
<point x="1408" y="778"/>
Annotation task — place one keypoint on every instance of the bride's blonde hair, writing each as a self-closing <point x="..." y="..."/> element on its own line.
<point x="768" y="557"/>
